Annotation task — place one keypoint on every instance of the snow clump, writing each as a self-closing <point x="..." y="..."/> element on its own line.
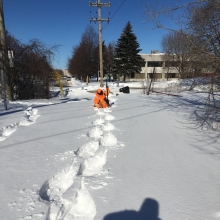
<point x="108" y="140"/>
<point x="93" y="165"/>
<point x="88" y="149"/>
<point x="95" y="133"/>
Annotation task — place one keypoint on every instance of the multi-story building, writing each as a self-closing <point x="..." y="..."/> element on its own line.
<point x="156" y="67"/>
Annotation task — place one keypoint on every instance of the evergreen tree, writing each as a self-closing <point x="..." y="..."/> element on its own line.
<point x="127" y="61"/>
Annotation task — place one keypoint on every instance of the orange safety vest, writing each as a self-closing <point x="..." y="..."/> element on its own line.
<point x="99" y="100"/>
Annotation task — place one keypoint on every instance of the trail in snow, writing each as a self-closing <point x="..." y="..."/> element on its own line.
<point x="67" y="195"/>
<point x="30" y="117"/>
<point x="7" y="131"/>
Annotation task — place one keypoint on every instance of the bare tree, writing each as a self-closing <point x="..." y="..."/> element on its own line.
<point x="158" y="12"/>
<point x="199" y="21"/>
<point x="180" y="54"/>
<point x="84" y="60"/>
<point x="30" y="74"/>
<point x="205" y="25"/>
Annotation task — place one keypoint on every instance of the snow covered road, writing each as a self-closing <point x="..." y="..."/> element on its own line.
<point x="75" y="162"/>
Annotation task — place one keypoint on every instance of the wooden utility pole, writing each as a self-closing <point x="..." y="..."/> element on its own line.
<point x="2" y="53"/>
<point x="100" y="20"/>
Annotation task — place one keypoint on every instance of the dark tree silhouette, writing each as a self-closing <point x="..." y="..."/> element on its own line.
<point x="30" y="75"/>
<point x="127" y="61"/>
<point x="84" y="60"/>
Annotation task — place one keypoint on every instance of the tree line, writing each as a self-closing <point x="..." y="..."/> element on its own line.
<point x="119" y="59"/>
<point x="29" y="72"/>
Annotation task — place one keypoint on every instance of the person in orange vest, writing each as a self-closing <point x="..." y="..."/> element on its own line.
<point x="100" y="100"/>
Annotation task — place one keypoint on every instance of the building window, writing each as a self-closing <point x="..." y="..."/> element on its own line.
<point x="154" y="64"/>
<point x="172" y="64"/>
<point x="155" y="75"/>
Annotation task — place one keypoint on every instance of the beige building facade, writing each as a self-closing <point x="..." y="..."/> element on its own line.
<point x="156" y="68"/>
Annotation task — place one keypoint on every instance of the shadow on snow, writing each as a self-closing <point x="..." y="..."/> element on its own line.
<point x="148" y="211"/>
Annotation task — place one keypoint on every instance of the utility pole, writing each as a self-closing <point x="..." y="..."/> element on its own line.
<point x="2" y="53"/>
<point x="100" y="20"/>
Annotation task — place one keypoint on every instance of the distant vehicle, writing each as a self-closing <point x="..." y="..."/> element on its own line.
<point x="68" y="78"/>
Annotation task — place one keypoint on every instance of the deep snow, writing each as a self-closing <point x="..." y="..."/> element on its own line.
<point x="143" y="158"/>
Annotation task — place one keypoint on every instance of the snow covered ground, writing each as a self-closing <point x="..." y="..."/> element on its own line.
<point x="143" y="158"/>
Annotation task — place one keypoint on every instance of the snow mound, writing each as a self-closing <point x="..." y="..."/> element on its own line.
<point x="108" y="140"/>
<point x="107" y="110"/>
<point x="95" y="133"/>
<point x="30" y="116"/>
<point x="25" y="123"/>
<point x="108" y="127"/>
<point x="99" y="121"/>
<point x="7" y="131"/>
<point x="34" y="111"/>
<point x="93" y="165"/>
<point x="88" y="149"/>
<point x="76" y="204"/>
<point x="53" y="188"/>
<point x="100" y="113"/>
<point x="109" y="117"/>
<point x="84" y="207"/>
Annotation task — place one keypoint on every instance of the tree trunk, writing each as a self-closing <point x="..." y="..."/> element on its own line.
<point x="124" y="77"/>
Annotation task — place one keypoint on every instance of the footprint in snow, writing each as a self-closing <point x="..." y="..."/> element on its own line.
<point x="5" y="132"/>
<point x="30" y="117"/>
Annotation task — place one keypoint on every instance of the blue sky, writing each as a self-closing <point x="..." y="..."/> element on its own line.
<point x="62" y="22"/>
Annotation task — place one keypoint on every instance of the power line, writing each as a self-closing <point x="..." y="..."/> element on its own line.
<point x="116" y="11"/>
